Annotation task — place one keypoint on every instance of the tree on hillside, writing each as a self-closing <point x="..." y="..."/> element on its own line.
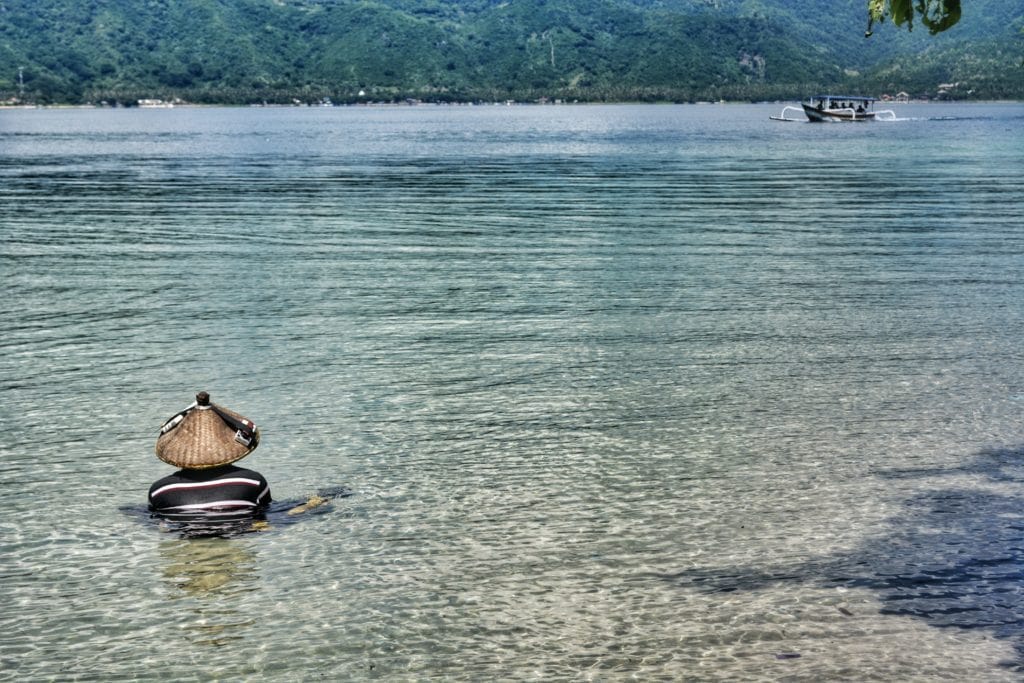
<point x="936" y="15"/>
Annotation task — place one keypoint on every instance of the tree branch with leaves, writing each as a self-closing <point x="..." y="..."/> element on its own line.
<point x="936" y="15"/>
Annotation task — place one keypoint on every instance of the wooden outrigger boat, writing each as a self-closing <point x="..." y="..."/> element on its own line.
<point x="838" y="108"/>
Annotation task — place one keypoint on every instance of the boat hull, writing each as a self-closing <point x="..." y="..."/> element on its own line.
<point x="818" y="115"/>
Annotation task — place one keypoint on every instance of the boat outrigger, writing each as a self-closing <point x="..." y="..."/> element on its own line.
<point x="838" y="108"/>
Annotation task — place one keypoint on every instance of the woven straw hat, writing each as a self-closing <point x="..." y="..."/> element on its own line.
<point x="206" y="435"/>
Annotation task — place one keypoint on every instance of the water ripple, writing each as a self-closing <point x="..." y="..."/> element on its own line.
<point x="653" y="392"/>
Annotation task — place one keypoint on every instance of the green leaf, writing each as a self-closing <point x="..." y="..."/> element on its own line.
<point x="902" y="11"/>
<point x="939" y="15"/>
<point x="876" y="12"/>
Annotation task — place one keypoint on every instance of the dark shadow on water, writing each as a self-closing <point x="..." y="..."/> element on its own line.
<point x="954" y="557"/>
<point x="278" y="514"/>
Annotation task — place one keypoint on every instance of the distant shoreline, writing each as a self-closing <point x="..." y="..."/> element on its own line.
<point x="384" y="104"/>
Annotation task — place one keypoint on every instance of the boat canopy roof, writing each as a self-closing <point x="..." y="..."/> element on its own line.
<point x="855" y="98"/>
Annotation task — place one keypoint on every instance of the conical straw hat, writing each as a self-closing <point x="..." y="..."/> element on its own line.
<point x="206" y="435"/>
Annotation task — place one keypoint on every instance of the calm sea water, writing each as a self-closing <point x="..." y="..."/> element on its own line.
<point x="672" y="393"/>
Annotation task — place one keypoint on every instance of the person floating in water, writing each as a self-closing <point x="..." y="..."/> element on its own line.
<point x="203" y="441"/>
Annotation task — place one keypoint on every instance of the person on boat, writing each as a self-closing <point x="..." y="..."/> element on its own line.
<point x="203" y="441"/>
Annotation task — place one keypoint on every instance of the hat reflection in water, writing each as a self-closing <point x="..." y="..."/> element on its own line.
<point x="203" y="441"/>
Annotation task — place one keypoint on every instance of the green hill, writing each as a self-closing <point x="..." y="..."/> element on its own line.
<point x="239" y="51"/>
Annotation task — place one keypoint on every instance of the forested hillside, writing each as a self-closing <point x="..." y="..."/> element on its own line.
<point x="239" y="51"/>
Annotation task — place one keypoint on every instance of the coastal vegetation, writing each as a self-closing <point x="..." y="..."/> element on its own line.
<point x="346" y="51"/>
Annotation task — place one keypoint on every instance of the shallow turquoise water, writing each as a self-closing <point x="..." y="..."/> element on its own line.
<point x="664" y="392"/>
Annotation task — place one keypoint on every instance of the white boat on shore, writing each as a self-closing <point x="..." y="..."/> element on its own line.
<point x="827" y="108"/>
